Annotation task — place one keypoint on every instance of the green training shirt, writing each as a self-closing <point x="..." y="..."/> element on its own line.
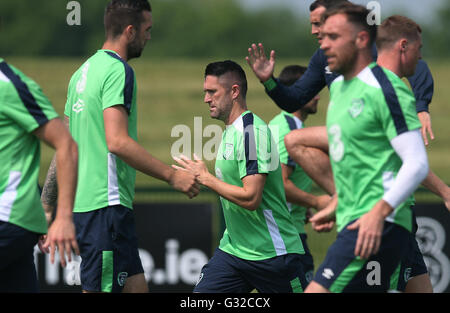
<point x="103" y="81"/>
<point x="23" y="109"/>
<point x="364" y="115"/>
<point x="247" y="148"/>
<point x="280" y="126"/>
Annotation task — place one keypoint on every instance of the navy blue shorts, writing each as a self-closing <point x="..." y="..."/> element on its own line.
<point x="412" y="264"/>
<point x="108" y="248"/>
<point x="307" y="259"/>
<point x="17" y="269"/>
<point x="342" y="271"/>
<point x="225" y="273"/>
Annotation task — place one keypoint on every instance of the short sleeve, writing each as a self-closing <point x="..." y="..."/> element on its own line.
<point x="118" y="86"/>
<point x="27" y="104"/>
<point x="397" y="107"/>
<point x="258" y="153"/>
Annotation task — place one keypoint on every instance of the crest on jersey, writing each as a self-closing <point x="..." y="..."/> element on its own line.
<point x="356" y="108"/>
<point x="228" y="152"/>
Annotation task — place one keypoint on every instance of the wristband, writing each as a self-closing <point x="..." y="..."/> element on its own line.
<point x="270" y="84"/>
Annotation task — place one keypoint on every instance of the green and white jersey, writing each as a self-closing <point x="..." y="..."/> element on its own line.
<point x="23" y="109"/>
<point x="280" y="126"/>
<point x="247" y="148"/>
<point x="364" y="115"/>
<point x="103" y="81"/>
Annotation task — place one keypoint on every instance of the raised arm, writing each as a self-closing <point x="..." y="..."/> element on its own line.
<point x="289" y="98"/>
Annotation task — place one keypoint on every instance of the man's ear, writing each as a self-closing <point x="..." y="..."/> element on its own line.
<point x="403" y="44"/>
<point x="130" y="32"/>
<point x="235" y="91"/>
<point x="362" y="39"/>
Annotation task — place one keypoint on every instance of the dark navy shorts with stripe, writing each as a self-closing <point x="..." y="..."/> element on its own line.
<point x="226" y="273"/>
<point x="412" y="264"/>
<point x="108" y="247"/>
<point x="342" y="271"/>
<point x="17" y="268"/>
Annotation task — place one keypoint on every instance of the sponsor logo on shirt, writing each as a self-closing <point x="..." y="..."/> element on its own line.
<point x="199" y="278"/>
<point x="78" y="106"/>
<point x="328" y="273"/>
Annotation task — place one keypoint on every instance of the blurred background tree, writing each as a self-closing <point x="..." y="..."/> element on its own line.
<point x="182" y="28"/>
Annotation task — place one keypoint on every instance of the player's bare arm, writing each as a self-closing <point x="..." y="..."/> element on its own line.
<point x="128" y="150"/>
<point x="61" y="233"/>
<point x="425" y="120"/>
<point x="300" y="197"/>
<point x="248" y="196"/>
<point x="49" y="193"/>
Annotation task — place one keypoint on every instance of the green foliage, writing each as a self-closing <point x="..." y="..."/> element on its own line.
<point x="188" y="28"/>
<point x="436" y="38"/>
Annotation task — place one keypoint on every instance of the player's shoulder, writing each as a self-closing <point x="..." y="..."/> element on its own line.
<point x="392" y="85"/>
<point x="11" y="78"/>
<point x="278" y="119"/>
<point x="248" y="122"/>
<point x="371" y="80"/>
<point x="250" y="118"/>
<point x="106" y="61"/>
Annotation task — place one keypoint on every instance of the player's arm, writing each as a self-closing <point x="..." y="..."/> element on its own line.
<point x="128" y="150"/>
<point x="248" y="196"/>
<point x="411" y="150"/>
<point x="49" y="193"/>
<point x="422" y="85"/>
<point x="300" y="197"/>
<point x="288" y="98"/>
<point x="433" y="183"/>
<point x="61" y="233"/>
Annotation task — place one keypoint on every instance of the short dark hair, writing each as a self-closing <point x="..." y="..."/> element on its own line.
<point x="291" y="73"/>
<point x="223" y="67"/>
<point x="327" y="4"/>
<point x="395" y="28"/>
<point x="121" y="13"/>
<point x="357" y="15"/>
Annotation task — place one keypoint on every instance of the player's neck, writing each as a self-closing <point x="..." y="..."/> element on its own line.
<point x="363" y="59"/>
<point x="302" y="116"/>
<point x="117" y="47"/>
<point x="389" y="60"/>
<point x="236" y="111"/>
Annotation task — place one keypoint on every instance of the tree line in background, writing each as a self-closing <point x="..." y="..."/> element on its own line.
<point x="182" y="28"/>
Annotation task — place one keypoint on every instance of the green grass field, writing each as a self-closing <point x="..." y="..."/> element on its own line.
<point x="170" y="93"/>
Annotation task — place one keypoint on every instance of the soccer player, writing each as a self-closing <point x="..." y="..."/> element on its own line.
<point x="101" y="113"/>
<point x="27" y="116"/>
<point x="377" y="154"/>
<point x="260" y="247"/>
<point x="308" y="147"/>
<point x="297" y="184"/>
<point x="398" y="42"/>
